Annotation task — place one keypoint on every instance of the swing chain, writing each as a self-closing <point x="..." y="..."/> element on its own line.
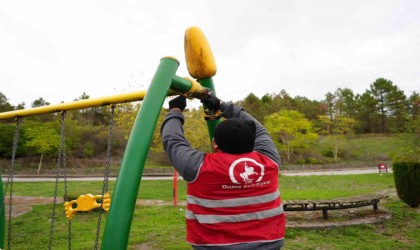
<point x="106" y="174"/>
<point x="64" y="164"/>
<point x="108" y="152"/>
<point x="9" y="185"/>
<point x="61" y="161"/>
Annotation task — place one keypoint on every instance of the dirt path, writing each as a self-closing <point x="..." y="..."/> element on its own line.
<point x="23" y="204"/>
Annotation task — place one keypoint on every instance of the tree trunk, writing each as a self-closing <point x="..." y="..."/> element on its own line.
<point x="335" y="152"/>
<point x="40" y="163"/>
<point x="336" y="148"/>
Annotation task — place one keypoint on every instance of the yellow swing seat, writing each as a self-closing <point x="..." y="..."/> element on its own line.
<point x="86" y="202"/>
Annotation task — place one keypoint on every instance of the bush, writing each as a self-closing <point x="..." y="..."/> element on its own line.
<point x="407" y="182"/>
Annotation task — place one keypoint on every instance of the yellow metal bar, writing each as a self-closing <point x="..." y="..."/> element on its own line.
<point x="87" y="103"/>
<point x="90" y="103"/>
<point x="179" y="85"/>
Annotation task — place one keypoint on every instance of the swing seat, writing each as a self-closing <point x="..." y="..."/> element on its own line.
<point x="86" y="202"/>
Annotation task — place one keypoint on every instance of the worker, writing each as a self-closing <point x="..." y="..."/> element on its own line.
<point x="233" y="198"/>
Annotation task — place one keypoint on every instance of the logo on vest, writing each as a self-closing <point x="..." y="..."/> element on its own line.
<point x="246" y="171"/>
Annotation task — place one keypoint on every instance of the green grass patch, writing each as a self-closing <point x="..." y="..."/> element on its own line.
<point x="328" y="187"/>
<point x="400" y="232"/>
<point x="370" y="147"/>
<point x="163" y="227"/>
<point x="366" y="147"/>
<point x="292" y="187"/>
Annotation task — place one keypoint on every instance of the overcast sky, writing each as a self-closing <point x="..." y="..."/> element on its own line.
<point x="59" y="49"/>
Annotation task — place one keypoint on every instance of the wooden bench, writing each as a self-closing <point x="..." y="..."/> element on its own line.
<point x="334" y="204"/>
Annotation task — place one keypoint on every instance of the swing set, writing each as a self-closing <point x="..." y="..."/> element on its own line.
<point x="201" y="66"/>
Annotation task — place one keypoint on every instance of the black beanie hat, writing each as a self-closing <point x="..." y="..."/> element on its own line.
<point x="235" y="136"/>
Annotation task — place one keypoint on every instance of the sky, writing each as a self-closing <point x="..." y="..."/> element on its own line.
<point x="59" y="49"/>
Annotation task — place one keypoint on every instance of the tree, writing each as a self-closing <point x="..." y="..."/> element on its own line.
<point x="337" y="130"/>
<point x="125" y="115"/>
<point x="156" y="145"/>
<point x="94" y="116"/>
<point x="42" y="138"/>
<point x="345" y="103"/>
<point x="290" y="131"/>
<point x="7" y="133"/>
<point x="391" y="102"/>
<point x="365" y="113"/>
<point x="414" y="106"/>
<point x="330" y="104"/>
<point x="253" y="105"/>
<point x="84" y="116"/>
<point x="413" y="125"/>
<point x="4" y="104"/>
<point x="310" y="108"/>
<point x="282" y="101"/>
<point x="41" y="118"/>
<point x="196" y="130"/>
<point x="39" y="102"/>
<point x="20" y="106"/>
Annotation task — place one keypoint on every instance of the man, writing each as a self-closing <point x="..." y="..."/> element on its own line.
<point x="233" y="201"/>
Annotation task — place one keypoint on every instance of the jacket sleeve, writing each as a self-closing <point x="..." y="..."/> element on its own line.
<point x="263" y="143"/>
<point x="184" y="158"/>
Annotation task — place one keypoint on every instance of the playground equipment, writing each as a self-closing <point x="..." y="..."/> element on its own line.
<point x="86" y="203"/>
<point x="201" y="65"/>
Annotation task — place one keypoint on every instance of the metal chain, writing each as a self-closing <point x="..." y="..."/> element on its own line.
<point x="64" y="165"/>
<point x="61" y="160"/>
<point x="106" y="174"/>
<point x="9" y="185"/>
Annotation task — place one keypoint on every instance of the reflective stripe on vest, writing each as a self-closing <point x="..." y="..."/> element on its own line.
<point x="211" y="219"/>
<point x="233" y="202"/>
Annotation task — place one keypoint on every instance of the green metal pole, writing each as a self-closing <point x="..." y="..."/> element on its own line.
<point x="117" y="228"/>
<point x="2" y="216"/>
<point x="211" y="125"/>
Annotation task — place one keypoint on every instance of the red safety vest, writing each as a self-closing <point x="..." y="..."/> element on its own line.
<point x="235" y="199"/>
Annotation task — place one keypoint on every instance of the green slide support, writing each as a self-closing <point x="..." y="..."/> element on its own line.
<point x="211" y="125"/>
<point x="2" y="216"/>
<point x="117" y="228"/>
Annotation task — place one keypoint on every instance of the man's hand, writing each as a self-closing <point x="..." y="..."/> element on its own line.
<point x="212" y="109"/>
<point x="179" y="102"/>
<point x="212" y="102"/>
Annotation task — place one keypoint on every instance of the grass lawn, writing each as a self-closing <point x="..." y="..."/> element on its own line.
<point x="163" y="227"/>
<point x="367" y="147"/>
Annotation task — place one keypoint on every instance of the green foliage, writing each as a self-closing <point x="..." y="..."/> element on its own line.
<point x="125" y="116"/>
<point x="339" y="128"/>
<point x="88" y="150"/>
<point x="42" y="137"/>
<point x="4" y="103"/>
<point x="254" y="106"/>
<point x="407" y="182"/>
<point x="272" y="103"/>
<point x="156" y="145"/>
<point x="7" y="132"/>
<point x="409" y="149"/>
<point x="290" y="130"/>
<point x="366" y="114"/>
<point x="390" y="103"/>
<point x="195" y="129"/>
<point x="39" y="102"/>
<point x="406" y="154"/>
<point x="382" y="108"/>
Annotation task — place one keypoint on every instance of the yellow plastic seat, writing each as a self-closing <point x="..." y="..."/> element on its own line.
<point x="86" y="202"/>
